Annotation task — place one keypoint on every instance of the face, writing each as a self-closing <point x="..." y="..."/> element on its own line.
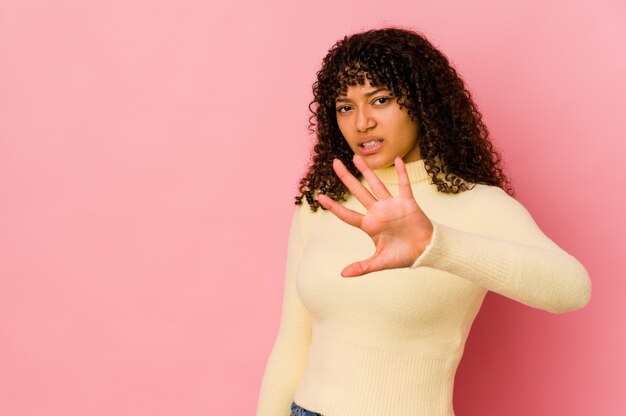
<point x="375" y="127"/>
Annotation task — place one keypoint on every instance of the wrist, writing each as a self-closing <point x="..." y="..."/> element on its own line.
<point x="424" y="246"/>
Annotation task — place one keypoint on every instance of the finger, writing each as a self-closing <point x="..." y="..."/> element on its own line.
<point x="380" y="190"/>
<point x="347" y="215"/>
<point x="360" y="268"/>
<point x="404" y="184"/>
<point x="354" y="185"/>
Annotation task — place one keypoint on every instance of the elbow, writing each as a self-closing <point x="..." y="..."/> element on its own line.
<point x="571" y="304"/>
<point x="576" y="295"/>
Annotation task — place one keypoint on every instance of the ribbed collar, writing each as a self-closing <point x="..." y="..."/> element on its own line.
<point x="416" y="171"/>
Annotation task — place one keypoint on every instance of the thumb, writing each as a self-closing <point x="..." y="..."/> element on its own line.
<point x="360" y="268"/>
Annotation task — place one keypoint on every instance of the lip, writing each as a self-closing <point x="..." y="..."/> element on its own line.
<point x="366" y="139"/>
<point x="370" y="150"/>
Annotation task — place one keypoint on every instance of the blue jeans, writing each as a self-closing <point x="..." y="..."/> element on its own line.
<point x="299" y="411"/>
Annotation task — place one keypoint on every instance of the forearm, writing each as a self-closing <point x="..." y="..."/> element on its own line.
<point x="545" y="278"/>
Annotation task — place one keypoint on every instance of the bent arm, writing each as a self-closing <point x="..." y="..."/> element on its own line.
<point x="509" y="254"/>
<point x="287" y="359"/>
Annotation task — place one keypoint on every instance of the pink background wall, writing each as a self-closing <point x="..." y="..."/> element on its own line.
<point x="149" y="155"/>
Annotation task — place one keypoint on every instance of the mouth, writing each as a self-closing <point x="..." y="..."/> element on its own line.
<point x="370" y="145"/>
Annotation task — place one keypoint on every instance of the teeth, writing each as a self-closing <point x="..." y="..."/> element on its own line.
<point x="370" y="144"/>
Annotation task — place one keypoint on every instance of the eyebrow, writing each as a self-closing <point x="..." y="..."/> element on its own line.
<point x="367" y="94"/>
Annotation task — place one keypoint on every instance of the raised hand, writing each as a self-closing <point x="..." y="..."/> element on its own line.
<point x="399" y="228"/>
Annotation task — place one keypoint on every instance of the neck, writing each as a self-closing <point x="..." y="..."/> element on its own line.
<point x="416" y="171"/>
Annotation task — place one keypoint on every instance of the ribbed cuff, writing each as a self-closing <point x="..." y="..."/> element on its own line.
<point x="434" y="240"/>
<point x="486" y="261"/>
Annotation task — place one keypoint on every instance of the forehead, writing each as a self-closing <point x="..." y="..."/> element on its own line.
<point x="360" y="91"/>
<point x="359" y="86"/>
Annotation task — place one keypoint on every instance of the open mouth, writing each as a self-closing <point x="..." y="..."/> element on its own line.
<point x="371" y="146"/>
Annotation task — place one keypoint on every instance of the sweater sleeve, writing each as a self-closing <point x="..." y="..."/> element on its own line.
<point x="287" y="359"/>
<point x="510" y="255"/>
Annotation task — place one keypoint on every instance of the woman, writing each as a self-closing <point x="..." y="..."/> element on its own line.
<point x="403" y="167"/>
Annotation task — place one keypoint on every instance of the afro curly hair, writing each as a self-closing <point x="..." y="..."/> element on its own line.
<point x="453" y="140"/>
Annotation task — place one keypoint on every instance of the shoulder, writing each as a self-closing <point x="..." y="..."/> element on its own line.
<point x="493" y="200"/>
<point x="497" y="214"/>
<point x="489" y="191"/>
<point x="304" y="217"/>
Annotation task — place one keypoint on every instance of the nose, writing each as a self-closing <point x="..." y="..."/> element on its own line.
<point x="364" y="119"/>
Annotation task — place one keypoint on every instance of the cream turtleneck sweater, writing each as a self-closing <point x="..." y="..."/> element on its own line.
<point x="388" y="343"/>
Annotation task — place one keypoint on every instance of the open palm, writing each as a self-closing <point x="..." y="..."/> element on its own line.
<point x="399" y="228"/>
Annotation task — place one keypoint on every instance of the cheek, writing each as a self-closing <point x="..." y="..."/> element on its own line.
<point x="412" y="127"/>
<point x="342" y="129"/>
<point x="345" y="133"/>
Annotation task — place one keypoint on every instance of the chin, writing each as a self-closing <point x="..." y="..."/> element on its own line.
<point x="378" y="161"/>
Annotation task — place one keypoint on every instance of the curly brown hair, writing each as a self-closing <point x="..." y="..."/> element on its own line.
<point x="453" y="140"/>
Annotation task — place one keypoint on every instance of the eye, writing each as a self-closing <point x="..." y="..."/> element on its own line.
<point x="340" y="108"/>
<point x="382" y="98"/>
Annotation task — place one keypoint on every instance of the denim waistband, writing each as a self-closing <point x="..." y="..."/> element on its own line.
<point x="300" y="411"/>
